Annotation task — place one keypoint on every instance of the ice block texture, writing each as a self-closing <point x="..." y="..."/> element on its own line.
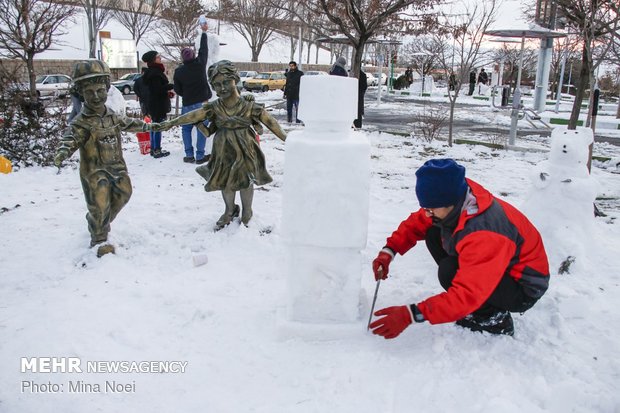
<point x="323" y="284"/>
<point x="326" y="187"/>
<point x="327" y="103"/>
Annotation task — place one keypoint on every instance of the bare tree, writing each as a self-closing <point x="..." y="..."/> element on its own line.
<point x="29" y="27"/>
<point x="597" y="23"/>
<point x="458" y="46"/>
<point x="178" y="25"/>
<point x="98" y="13"/>
<point x="137" y="16"/>
<point x="362" y="20"/>
<point x="420" y="54"/>
<point x="510" y="56"/>
<point x="564" y="50"/>
<point x="255" y="20"/>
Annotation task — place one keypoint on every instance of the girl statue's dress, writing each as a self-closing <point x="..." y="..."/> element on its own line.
<point x="237" y="161"/>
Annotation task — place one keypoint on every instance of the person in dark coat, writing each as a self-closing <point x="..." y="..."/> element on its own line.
<point x="142" y="93"/>
<point x="472" y="82"/>
<point x="338" y="69"/>
<point x="483" y="79"/>
<point x="291" y="91"/>
<point x="160" y="92"/>
<point x="452" y="81"/>
<point x="362" y="85"/>
<point x="491" y="259"/>
<point x="190" y="82"/>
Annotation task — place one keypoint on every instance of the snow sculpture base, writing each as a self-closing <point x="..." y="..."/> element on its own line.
<point x="322" y="331"/>
<point x="324" y="284"/>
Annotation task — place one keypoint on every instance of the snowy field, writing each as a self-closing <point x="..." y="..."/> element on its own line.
<point x="148" y="302"/>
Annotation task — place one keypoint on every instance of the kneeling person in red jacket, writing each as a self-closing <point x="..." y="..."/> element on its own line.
<point x="491" y="258"/>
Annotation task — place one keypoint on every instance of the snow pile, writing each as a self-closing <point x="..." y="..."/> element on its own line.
<point x="149" y="302"/>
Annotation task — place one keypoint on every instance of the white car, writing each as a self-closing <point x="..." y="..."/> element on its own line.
<point x="245" y="75"/>
<point x="371" y="79"/>
<point x="53" y="85"/>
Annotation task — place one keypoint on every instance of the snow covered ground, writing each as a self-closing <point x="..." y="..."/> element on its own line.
<point x="149" y="303"/>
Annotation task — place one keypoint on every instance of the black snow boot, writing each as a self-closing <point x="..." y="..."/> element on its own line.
<point x="499" y="322"/>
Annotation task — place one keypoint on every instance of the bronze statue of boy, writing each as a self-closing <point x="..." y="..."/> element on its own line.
<point x="96" y="132"/>
<point x="237" y="163"/>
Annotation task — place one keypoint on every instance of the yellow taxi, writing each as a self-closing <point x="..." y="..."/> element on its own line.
<point x="265" y="81"/>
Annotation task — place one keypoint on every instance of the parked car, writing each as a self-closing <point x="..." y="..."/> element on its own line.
<point x="371" y="79"/>
<point x="125" y="83"/>
<point x="245" y="75"/>
<point x="266" y="81"/>
<point x="316" y="73"/>
<point x="51" y="85"/>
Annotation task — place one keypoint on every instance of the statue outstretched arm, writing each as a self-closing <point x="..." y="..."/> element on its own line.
<point x="195" y="116"/>
<point x="272" y="125"/>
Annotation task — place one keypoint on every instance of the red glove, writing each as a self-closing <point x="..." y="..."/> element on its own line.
<point x="381" y="265"/>
<point x="395" y="321"/>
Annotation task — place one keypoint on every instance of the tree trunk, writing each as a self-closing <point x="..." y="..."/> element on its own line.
<point x="618" y="111"/>
<point x="356" y="61"/>
<point x="293" y="46"/>
<point x="255" y="53"/>
<point x="584" y="74"/>
<point x="91" y="16"/>
<point x="451" y="121"/>
<point x="31" y="76"/>
<point x="316" y="57"/>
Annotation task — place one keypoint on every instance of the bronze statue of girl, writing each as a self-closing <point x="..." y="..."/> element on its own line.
<point x="237" y="163"/>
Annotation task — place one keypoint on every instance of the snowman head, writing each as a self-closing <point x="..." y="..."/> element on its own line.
<point x="570" y="147"/>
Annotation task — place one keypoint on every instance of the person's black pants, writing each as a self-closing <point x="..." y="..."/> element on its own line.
<point x="290" y="103"/>
<point x="472" y="87"/>
<point x="508" y="295"/>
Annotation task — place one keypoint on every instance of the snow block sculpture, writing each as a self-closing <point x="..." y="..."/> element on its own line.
<point x="325" y="204"/>
<point x="561" y="202"/>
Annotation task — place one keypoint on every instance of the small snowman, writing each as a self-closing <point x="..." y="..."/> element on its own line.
<point x="561" y="201"/>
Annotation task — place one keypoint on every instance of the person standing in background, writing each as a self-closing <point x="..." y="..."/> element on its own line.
<point x="190" y="82"/>
<point x="291" y="91"/>
<point x="160" y="93"/>
<point x="483" y="79"/>
<point x="142" y="93"/>
<point x="362" y="85"/>
<point x="472" y="82"/>
<point x="338" y="69"/>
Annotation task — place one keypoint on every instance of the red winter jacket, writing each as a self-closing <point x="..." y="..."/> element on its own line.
<point x="494" y="240"/>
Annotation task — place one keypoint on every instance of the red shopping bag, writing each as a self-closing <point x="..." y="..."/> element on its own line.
<point x="144" y="139"/>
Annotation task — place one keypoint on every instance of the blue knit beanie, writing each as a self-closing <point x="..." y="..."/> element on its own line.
<point x="440" y="183"/>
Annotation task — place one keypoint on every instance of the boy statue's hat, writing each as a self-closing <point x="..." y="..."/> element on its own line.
<point x="89" y="68"/>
